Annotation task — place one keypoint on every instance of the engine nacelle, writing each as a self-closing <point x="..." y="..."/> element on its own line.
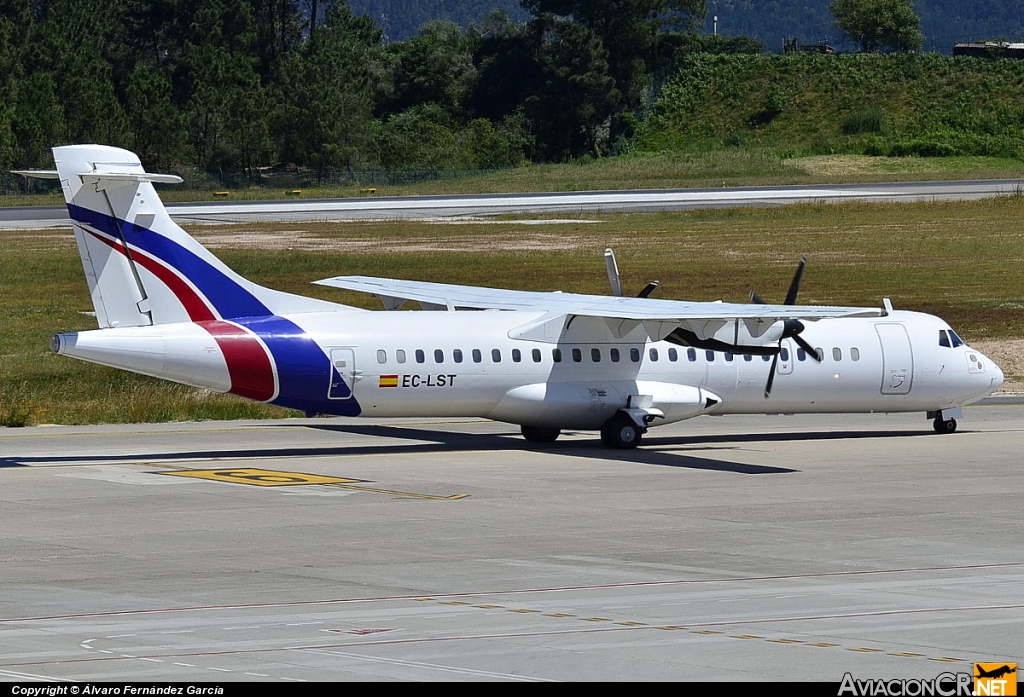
<point x="588" y="405"/>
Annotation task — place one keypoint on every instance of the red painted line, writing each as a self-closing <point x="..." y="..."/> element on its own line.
<point x="197" y="308"/>
<point x="252" y="375"/>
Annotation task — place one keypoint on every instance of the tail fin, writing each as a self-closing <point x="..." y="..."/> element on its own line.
<point x="142" y="268"/>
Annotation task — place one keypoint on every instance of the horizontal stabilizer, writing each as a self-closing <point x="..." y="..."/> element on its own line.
<point x="94" y="177"/>
<point x="37" y="173"/>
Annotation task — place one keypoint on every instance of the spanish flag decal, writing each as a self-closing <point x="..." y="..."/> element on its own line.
<point x="388" y="381"/>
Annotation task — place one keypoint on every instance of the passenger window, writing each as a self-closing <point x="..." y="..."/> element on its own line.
<point x="382" y="356"/>
<point x="595" y="355"/>
<point x="536" y="355"/>
<point x="766" y="358"/>
<point x="747" y="357"/>
<point x="654" y="355"/>
<point x="710" y="356"/>
<point x="457" y="355"/>
<point x="577" y="355"/>
<point x="691" y="355"/>
<point x="784" y="353"/>
<point x="801" y="355"/>
<point x="516" y="356"/>
<point x="477" y="356"/>
<point x="728" y="357"/>
<point x="943" y="338"/>
<point x="634" y="355"/>
<point x="420" y="356"/>
<point x="556" y="355"/>
<point x="496" y="355"/>
<point x="820" y="354"/>
<point x="400" y="355"/>
<point x="855" y="354"/>
<point x="438" y="356"/>
<point x="837" y="354"/>
<point x="614" y="353"/>
<point x="673" y="355"/>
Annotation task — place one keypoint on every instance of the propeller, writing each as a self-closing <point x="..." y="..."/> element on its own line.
<point x="616" y="281"/>
<point x="791" y="328"/>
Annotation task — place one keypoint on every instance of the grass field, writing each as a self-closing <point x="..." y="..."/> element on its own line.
<point x="962" y="261"/>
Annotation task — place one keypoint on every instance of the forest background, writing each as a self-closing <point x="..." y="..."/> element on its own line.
<point x="244" y="85"/>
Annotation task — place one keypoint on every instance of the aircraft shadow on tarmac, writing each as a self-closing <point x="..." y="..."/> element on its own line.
<point x="658" y="451"/>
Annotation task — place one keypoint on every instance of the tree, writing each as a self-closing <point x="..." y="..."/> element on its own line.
<point x="572" y="109"/>
<point x="630" y="31"/>
<point x="875" y="24"/>
<point x="324" y="118"/>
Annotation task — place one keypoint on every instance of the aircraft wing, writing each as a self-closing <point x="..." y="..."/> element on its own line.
<point x="449" y="296"/>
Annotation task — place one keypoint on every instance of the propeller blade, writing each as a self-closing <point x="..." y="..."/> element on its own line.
<point x="613" y="272"/>
<point x="771" y="377"/>
<point x="757" y="299"/>
<point x="802" y="342"/>
<point x="648" y="289"/>
<point x="794" y="287"/>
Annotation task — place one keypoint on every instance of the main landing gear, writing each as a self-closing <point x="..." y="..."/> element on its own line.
<point x="621" y="432"/>
<point x="539" y="434"/>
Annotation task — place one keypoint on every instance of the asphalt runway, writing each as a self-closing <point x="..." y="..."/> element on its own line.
<point x="754" y="548"/>
<point x="345" y="209"/>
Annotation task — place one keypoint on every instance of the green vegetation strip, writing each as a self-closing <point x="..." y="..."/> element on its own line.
<point x="961" y="261"/>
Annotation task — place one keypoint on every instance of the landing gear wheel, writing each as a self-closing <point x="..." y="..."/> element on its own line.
<point x="621" y="432"/>
<point x="539" y="434"/>
<point x="947" y="426"/>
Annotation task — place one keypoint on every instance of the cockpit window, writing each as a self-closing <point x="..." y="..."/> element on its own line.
<point x="957" y="341"/>
<point x="943" y="338"/>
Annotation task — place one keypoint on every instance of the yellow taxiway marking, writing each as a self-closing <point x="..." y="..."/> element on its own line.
<point x="671" y="627"/>
<point x="407" y="494"/>
<point x="261" y="477"/>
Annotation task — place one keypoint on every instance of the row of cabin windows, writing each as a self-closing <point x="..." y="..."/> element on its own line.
<point x="837" y="354"/>
<point x="614" y="354"/>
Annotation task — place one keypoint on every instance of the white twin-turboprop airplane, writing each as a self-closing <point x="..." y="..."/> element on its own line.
<point x="546" y="361"/>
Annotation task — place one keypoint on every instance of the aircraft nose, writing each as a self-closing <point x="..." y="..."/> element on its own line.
<point x="992" y="374"/>
<point x="997" y="375"/>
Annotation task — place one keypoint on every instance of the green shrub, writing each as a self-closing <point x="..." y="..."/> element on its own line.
<point x="863" y="121"/>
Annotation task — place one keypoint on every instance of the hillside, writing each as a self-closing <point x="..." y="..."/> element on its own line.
<point x="873" y="104"/>
<point x="401" y="19"/>
<point x="943" y="22"/>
